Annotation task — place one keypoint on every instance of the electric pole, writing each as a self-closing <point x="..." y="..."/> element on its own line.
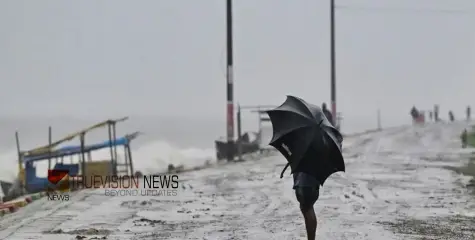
<point x="332" y="59"/>
<point x="229" y="80"/>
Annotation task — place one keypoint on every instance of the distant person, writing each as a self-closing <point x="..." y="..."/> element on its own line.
<point x="430" y="115"/>
<point x="464" y="137"/>
<point x="414" y="114"/>
<point x="451" y="116"/>
<point x="469" y="112"/>
<point x="436" y="113"/>
<point x="327" y="113"/>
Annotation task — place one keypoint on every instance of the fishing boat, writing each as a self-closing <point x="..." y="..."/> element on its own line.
<point x="250" y="142"/>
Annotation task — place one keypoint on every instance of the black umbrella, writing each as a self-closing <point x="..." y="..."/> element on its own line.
<point x="301" y="130"/>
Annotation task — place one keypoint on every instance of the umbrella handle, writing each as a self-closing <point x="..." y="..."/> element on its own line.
<point x="285" y="168"/>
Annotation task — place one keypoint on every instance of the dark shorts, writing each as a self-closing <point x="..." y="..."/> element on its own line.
<point x="307" y="189"/>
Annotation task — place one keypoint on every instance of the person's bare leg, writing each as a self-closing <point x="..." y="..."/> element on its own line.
<point x="310" y="222"/>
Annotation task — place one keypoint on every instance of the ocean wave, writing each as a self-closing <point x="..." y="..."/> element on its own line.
<point x="149" y="158"/>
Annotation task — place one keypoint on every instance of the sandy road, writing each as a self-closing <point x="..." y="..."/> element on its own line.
<point x="395" y="180"/>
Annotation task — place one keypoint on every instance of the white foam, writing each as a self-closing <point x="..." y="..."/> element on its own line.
<point x="9" y="165"/>
<point x="156" y="156"/>
<point x="150" y="158"/>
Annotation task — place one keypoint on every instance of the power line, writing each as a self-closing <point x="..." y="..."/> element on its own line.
<point x="405" y="10"/>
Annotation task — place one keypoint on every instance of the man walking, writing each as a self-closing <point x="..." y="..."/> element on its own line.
<point x="306" y="185"/>
<point x="307" y="190"/>
<point x="313" y="164"/>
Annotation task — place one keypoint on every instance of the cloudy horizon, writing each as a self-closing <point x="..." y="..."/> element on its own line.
<point x="167" y="58"/>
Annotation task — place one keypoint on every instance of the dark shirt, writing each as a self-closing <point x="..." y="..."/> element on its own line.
<point x="302" y="179"/>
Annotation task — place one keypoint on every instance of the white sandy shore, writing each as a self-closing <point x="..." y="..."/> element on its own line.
<point x="391" y="175"/>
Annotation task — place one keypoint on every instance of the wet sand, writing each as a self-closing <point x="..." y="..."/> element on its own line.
<point x="444" y="227"/>
<point x="447" y="227"/>
<point x="468" y="170"/>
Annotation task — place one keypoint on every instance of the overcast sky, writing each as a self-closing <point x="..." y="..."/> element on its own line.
<point x="167" y="57"/>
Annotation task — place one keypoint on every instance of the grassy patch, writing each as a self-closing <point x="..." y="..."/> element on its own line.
<point x="471" y="138"/>
<point x="467" y="170"/>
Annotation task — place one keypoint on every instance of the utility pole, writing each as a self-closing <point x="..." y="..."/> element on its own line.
<point x="332" y="59"/>
<point x="229" y="80"/>
<point x="379" y="120"/>
<point x="239" y="134"/>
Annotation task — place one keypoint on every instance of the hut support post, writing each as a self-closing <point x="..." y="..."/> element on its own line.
<point x="17" y="138"/>
<point x="21" y="172"/>
<point x="131" y="164"/>
<point x="109" y="126"/>
<point x="50" y="141"/>
<point x="114" y="136"/>
<point x="82" y="158"/>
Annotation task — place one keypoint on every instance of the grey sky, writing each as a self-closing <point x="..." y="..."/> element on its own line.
<point x="163" y="57"/>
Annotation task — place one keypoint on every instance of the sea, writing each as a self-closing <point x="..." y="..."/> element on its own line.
<point x="164" y="140"/>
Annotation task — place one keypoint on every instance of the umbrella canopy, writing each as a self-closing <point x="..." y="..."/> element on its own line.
<point x="301" y="131"/>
